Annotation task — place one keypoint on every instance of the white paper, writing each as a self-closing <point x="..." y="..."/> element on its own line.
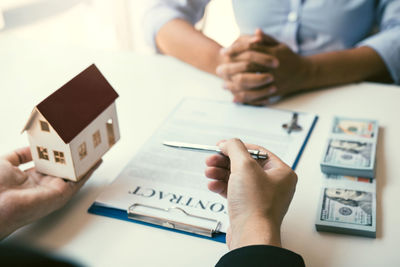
<point x="164" y="176"/>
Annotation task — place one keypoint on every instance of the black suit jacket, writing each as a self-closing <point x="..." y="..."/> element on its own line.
<point x="251" y="256"/>
<point x="260" y="256"/>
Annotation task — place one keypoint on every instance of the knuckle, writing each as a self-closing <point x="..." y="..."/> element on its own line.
<point x="240" y="96"/>
<point x="247" y="46"/>
<point x="239" y="78"/>
<point x="229" y="86"/>
<point x="269" y="77"/>
<point x="252" y="66"/>
<point x="291" y="176"/>
<point x="224" y="69"/>
<point x="235" y="88"/>
<point x="234" y="141"/>
<point x="248" y="98"/>
<point x="247" y="55"/>
<point x="248" y="65"/>
<point x="267" y="60"/>
<point x="295" y="178"/>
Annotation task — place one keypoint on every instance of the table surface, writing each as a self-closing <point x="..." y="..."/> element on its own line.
<point x="150" y="87"/>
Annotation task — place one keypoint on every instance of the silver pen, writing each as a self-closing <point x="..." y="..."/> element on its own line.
<point x="256" y="154"/>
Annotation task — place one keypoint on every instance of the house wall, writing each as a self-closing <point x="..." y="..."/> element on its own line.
<point x="51" y="141"/>
<point x="86" y="135"/>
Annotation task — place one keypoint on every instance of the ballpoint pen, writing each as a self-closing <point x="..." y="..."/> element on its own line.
<point x="256" y="154"/>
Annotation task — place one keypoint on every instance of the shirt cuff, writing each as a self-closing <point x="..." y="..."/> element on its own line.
<point x="260" y="255"/>
<point x="387" y="45"/>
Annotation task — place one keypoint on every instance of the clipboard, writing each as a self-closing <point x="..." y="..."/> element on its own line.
<point x="133" y="214"/>
<point x="151" y="215"/>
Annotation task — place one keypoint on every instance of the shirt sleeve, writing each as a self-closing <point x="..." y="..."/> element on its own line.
<point x="159" y="12"/>
<point x="260" y="255"/>
<point x="387" y="41"/>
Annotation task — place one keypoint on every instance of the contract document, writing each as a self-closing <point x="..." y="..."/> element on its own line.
<point x="167" y="182"/>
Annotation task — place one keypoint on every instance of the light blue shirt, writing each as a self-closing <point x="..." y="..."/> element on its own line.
<point x="307" y="26"/>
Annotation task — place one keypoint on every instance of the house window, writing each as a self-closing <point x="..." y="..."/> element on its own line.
<point x="44" y="126"/>
<point x="59" y="157"/>
<point x="96" y="139"/>
<point x="110" y="132"/>
<point x="42" y="153"/>
<point x="82" y="150"/>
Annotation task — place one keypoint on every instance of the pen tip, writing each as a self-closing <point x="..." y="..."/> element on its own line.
<point x="169" y="143"/>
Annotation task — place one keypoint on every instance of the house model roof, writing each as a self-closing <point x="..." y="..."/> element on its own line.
<point x="76" y="104"/>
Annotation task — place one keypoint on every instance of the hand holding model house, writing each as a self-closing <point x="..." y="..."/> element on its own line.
<point x="74" y="127"/>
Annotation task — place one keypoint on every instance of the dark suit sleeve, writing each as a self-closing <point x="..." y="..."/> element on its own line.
<point x="17" y="255"/>
<point x="260" y="255"/>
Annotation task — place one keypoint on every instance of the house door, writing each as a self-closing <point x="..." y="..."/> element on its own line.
<point x="110" y="132"/>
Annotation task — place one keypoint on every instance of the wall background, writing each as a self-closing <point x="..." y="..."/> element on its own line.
<point x="100" y="24"/>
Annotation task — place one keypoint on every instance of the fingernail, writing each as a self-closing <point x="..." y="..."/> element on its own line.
<point x="269" y="79"/>
<point x="273" y="90"/>
<point x="275" y="63"/>
<point x="225" y="86"/>
<point x="223" y="51"/>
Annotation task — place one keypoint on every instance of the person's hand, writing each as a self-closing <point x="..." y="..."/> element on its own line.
<point x="287" y="73"/>
<point x="26" y="196"/>
<point x="245" y="68"/>
<point x="258" y="193"/>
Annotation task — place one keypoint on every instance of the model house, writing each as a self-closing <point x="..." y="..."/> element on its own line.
<point x="74" y="127"/>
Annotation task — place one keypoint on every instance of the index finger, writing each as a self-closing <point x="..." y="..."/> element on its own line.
<point x="19" y="156"/>
<point x="259" y="42"/>
<point x="265" y="38"/>
<point x="236" y="151"/>
<point x="240" y="46"/>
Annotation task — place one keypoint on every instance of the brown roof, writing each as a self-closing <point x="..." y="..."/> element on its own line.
<point x="75" y="105"/>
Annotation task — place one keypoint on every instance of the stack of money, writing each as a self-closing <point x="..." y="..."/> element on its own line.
<point x="351" y="148"/>
<point x="347" y="205"/>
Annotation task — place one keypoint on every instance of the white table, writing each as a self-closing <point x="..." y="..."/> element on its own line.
<point x="149" y="87"/>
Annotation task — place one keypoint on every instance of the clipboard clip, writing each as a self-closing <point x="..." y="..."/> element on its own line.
<point x="292" y="125"/>
<point x="174" y="218"/>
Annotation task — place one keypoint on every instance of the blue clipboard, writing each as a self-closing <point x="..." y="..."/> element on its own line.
<point x="123" y="215"/>
<point x="120" y="214"/>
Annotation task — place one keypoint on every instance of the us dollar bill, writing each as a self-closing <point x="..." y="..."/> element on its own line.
<point x="362" y="128"/>
<point x="353" y="154"/>
<point x="347" y="205"/>
<point x="351" y="148"/>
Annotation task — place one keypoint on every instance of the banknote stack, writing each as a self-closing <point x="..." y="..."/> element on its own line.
<point x="347" y="206"/>
<point x="351" y="148"/>
<point x="347" y="202"/>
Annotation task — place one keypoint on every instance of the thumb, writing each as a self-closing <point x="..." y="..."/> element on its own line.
<point x="19" y="156"/>
<point x="236" y="151"/>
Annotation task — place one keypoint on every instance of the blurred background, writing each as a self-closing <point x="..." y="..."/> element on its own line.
<point x="100" y="24"/>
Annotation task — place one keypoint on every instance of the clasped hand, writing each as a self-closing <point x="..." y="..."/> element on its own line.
<point x="256" y="68"/>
